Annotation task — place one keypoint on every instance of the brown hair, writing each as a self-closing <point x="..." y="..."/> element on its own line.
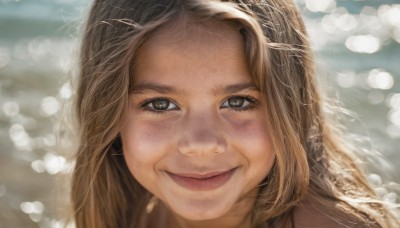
<point x="311" y="161"/>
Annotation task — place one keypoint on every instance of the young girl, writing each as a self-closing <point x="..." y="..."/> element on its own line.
<point x="206" y="114"/>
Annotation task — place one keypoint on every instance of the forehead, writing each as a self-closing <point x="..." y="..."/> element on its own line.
<point x="191" y="49"/>
<point x="193" y="31"/>
<point x="188" y="35"/>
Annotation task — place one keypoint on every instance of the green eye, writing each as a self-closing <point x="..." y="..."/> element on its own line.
<point x="159" y="104"/>
<point x="239" y="103"/>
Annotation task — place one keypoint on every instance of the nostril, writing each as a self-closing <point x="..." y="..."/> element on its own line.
<point x="201" y="144"/>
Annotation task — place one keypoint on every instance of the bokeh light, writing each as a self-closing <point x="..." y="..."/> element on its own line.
<point x="363" y="44"/>
<point x="358" y="41"/>
<point x="49" y="106"/>
<point x="54" y="163"/>
<point x="394" y="117"/>
<point x="10" y="108"/>
<point x="379" y="79"/>
<point x="20" y="137"/>
<point x="320" y="5"/>
<point x="65" y="91"/>
<point x="33" y="209"/>
<point x="394" y="101"/>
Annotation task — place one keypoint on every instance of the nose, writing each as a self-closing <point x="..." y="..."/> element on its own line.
<point x="201" y="136"/>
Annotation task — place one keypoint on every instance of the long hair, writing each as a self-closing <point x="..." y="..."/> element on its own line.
<point x="311" y="162"/>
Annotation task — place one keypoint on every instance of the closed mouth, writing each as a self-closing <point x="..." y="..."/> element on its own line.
<point x="202" y="182"/>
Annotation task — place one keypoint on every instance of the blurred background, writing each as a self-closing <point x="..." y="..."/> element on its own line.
<point x="357" y="44"/>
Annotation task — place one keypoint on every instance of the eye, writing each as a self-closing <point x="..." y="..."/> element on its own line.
<point x="239" y="103"/>
<point x="159" y="104"/>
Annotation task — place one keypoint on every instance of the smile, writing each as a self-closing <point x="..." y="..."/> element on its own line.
<point x="201" y="182"/>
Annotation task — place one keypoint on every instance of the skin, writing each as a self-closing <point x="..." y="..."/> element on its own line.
<point x="200" y="73"/>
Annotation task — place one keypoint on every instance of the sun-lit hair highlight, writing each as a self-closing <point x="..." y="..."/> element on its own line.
<point x="311" y="162"/>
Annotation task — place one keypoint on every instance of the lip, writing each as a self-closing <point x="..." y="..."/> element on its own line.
<point x="202" y="182"/>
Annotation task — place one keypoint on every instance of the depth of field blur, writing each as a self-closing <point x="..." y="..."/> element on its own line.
<point x="357" y="45"/>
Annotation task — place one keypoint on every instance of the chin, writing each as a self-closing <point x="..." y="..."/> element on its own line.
<point x="200" y="215"/>
<point x="201" y="211"/>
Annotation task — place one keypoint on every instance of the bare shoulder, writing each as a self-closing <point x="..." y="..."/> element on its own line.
<point x="307" y="215"/>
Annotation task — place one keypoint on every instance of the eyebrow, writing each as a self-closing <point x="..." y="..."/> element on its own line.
<point x="149" y="87"/>
<point x="236" y="88"/>
<point x="153" y="87"/>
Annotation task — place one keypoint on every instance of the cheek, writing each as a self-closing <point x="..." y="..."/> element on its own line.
<point x="251" y="137"/>
<point x="144" y="143"/>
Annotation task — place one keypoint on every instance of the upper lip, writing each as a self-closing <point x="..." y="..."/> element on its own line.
<point x="199" y="175"/>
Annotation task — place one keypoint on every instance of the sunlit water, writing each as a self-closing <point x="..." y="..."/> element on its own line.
<point x="357" y="49"/>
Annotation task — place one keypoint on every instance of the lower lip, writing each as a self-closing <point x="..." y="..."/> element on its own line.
<point x="206" y="184"/>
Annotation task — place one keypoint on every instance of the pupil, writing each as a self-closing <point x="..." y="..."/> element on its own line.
<point x="161" y="104"/>
<point x="236" y="102"/>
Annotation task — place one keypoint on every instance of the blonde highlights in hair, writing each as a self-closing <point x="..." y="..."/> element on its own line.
<point x="310" y="161"/>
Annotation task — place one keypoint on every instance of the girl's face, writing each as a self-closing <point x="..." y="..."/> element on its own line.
<point x="196" y="134"/>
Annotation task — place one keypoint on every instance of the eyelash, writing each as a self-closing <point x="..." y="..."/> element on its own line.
<point x="252" y="103"/>
<point x="144" y="105"/>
